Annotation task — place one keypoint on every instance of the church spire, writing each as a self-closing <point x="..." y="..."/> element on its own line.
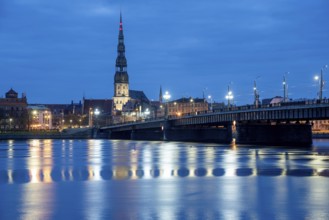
<point x="121" y="78"/>
<point x="160" y="95"/>
<point x="121" y="75"/>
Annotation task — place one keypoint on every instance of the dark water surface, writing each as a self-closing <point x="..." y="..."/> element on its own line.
<point x="104" y="179"/>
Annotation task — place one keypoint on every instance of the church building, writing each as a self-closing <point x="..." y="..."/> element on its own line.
<point x="121" y="78"/>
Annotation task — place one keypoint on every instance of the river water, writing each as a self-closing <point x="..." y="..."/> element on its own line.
<point x="111" y="179"/>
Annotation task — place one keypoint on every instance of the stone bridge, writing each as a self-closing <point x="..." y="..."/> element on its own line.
<point x="286" y="124"/>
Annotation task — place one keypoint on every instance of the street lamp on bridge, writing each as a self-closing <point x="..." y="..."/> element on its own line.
<point x="166" y="97"/>
<point x="210" y="100"/>
<point x="96" y="113"/>
<point x="10" y="121"/>
<point x="256" y="95"/>
<point x="285" y="88"/>
<point x="321" y="82"/>
<point x="229" y="96"/>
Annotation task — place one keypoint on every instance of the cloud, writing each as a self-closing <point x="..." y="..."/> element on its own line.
<point x="208" y="42"/>
<point x="83" y="7"/>
<point x="101" y="10"/>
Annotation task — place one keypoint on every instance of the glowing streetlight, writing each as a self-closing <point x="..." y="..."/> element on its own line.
<point x="256" y="95"/>
<point x="285" y="88"/>
<point x="321" y="82"/>
<point x="147" y="113"/>
<point x="229" y="96"/>
<point x="90" y="121"/>
<point x="10" y="120"/>
<point x="166" y="97"/>
<point x="96" y="112"/>
<point x="318" y="81"/>
<point x="192" y="104"/>
<point x="210" y="100"/>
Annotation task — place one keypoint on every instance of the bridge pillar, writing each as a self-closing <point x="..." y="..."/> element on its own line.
<point x="277" y="134"/>
<point x="165" y="130"/>
<point x="104" y="134"/>
<point x="133" y="134"/>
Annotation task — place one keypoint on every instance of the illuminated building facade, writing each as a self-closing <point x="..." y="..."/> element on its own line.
<point x="13" y="111"/>
<point x="185" y="106"/>
<point x="40" y="117"/>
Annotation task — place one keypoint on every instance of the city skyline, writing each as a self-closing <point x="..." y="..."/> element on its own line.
<point x="59" y="51"/>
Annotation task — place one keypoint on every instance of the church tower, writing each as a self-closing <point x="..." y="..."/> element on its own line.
<point x="121" y="79"/>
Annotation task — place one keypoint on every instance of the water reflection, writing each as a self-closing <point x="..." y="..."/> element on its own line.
<point x="165" y="180"/>
<point x="122" y="173"/>
<point x="133" y="160"/>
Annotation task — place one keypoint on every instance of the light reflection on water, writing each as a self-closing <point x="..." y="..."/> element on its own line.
<point x="102" y="179"/>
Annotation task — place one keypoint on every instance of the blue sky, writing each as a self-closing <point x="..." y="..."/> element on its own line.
<point x="56" y="51"/>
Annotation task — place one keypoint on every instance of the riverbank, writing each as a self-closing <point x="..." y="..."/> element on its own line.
<point x="77" y="133"/>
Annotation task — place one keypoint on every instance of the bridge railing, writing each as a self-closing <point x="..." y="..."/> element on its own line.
<point x="289" y="104"/>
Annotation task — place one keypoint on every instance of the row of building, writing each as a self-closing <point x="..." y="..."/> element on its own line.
<point x="17" y="114"/>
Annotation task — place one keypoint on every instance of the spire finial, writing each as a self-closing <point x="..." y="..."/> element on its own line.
<point x="120" y="21"/>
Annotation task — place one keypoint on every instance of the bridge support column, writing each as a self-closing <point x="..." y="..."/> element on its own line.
<point x="278" y="135"/>
<point x="210" y="135"/>
<point x="165" y="130"/>
<point x="133" y="134"/>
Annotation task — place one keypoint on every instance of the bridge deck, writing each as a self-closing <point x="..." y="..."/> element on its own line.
<point x="302" y="112"/>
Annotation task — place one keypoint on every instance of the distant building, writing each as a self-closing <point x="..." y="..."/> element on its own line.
<point x="103" y="109"/>
<point x="40" y="117"/>
<point x="185" y="106"/>
<point x="138" y="96"/>
<point x="274" y="100"/>
<point x="103" y="105"/>
<point x="13" y="111"/>
<point x="137" y="108"/>
<point x="64" y="115"/>
<point x="137" y="99"/>
<point x="217" y="106"/>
